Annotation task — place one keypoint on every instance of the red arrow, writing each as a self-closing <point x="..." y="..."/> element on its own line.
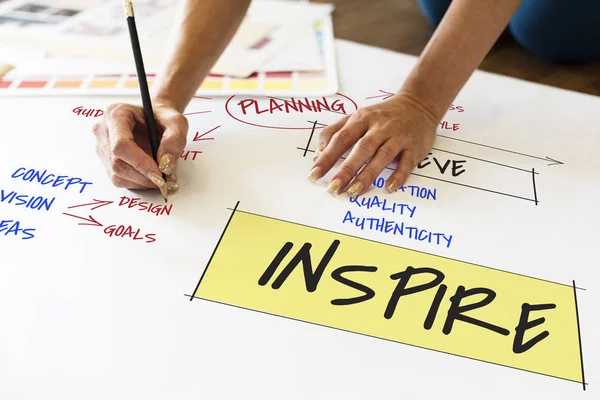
<point x="385" y="95"/>
<point x="96" y="203"/>
<point x="200" y="137"/>
<point x="91" y="220"/>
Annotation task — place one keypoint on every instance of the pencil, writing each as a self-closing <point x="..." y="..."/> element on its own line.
<point x="141" y="74"/>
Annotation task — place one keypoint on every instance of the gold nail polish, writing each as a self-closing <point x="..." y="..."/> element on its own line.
<point x="334" y="187"/>
<point x="157" y="179"/>
<point x="171" y="178"/>
<point x="319" y="151"/>
<point x="172" y="187"/>
<point x="315" y="174"/>
<point x="160" y="182"/>
<point x="166" y="163"/>
<point x="392" y="186"/>
<point x="355" y="189"/>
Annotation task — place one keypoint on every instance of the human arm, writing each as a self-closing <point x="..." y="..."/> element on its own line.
<point x="404" y="125"/>
<point x="203" y="30"/>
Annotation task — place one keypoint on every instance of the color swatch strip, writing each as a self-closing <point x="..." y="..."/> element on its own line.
<point x="270" y="83"/>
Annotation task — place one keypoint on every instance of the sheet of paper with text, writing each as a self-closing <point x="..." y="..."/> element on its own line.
<point x="476" y="279"/>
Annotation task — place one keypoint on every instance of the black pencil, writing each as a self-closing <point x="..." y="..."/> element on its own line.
<point x="141" y="74"/>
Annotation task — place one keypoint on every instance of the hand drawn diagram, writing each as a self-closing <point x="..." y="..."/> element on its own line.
<point x="464" y="168"/>
<point x="344" y="282"/>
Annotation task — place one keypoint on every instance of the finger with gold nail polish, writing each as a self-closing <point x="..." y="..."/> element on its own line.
<point x="315" y="174"/>
<point x="335" y="187"/>
<point x="166" y="164"/>
<point x="319" y="151"/>
<point x="172" y="185"/>
<point x="355" y="189"/>
<point x="392" y="185"/>
<point x="160" y="183"/>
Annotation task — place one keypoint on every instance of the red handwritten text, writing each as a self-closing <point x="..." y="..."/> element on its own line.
<point x="449" y="127"/>
<point x="186" y="153"/>
<point x="287" y="106"/>
<point x="135" y="203"/>
<point x="88" y="112"/>
<point x="127" y="231"/>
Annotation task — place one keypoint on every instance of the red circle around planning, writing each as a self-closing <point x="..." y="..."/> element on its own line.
<point x="278" y="127"/>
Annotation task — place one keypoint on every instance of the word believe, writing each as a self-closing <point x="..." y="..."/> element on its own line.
<point x="455" y="167"/>
<point x="45" y="178"/>
<point x="431" y="302"/>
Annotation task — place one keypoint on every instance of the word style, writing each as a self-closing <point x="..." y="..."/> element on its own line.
<point x="449" y="127"/>
<point x="88" y="112"/>
<point x="45" y="178"/>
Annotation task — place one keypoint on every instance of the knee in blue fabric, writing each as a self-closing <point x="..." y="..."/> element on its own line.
<point x="564" y="31"/>
<point x="434" y="10"/>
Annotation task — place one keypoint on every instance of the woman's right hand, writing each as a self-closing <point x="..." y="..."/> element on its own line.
<point x="123" y="145"/>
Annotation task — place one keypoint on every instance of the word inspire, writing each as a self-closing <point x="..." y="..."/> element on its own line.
<point x="427" y="278"/>
<point x="88" y="112"/>
<point x="286" y="106"/>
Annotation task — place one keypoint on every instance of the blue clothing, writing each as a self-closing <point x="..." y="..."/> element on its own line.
<point x="564" y="31"/>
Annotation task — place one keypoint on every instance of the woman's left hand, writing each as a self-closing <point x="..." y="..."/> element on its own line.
<point x="397" y="128"/>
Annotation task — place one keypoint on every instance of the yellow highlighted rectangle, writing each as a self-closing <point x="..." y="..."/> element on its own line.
<point x="278" y="84"/>
<point x="68" y="84"/>
<point x="394" y="293"/>
<point x="103" y="84"/>
<point x="131" y="83"/>
<point x="243" y="84"/>
<point x="313" y="84"/>
<point x="211" y="84"/>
